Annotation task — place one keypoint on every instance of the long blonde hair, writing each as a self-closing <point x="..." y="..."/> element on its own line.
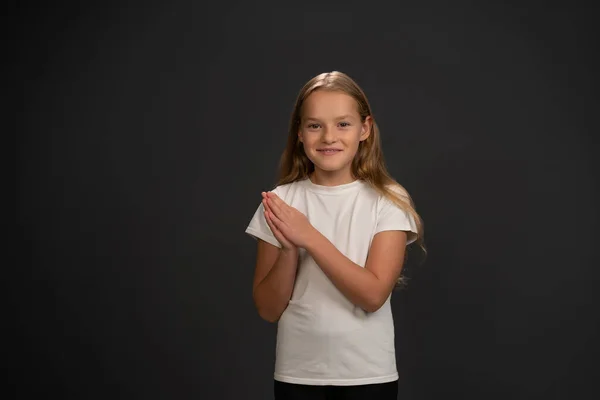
<point x="368" y="164"/>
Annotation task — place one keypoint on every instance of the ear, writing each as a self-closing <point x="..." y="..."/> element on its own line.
<point x="366" y="128"/>
<point x="300" y="135"/>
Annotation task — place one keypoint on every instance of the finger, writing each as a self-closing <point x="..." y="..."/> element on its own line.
<point x="276" y="232"/>
<point x="276" y="220"/>
<point x="271" y="225"/>
<point x="274" y="207"/>
<point x="268" y="205"/>
<point x="272" y="196"/>
<point x="265" y="204"/>
<point x="264" y="196"/>
<point x="274" y="228"/>
<point x="276" y="201"/>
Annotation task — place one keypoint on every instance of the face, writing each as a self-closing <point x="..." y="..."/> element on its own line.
<point x="331" y="130"/>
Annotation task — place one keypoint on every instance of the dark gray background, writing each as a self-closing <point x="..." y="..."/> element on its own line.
<point x="147" y="131"/>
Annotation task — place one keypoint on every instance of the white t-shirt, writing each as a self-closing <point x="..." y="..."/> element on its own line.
<point x="323" y="338"/>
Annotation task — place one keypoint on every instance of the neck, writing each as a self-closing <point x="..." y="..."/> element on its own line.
<point x="331" y="178"/>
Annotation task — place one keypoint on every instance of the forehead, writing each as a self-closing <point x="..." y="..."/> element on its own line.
<point x="328" y="104"/>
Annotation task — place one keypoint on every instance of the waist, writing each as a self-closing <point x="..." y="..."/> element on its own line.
<point x="330" y="320"/>
<point x="321" y="344"/>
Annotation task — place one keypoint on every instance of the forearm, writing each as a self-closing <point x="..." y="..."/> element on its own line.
<point x="357" y="284"/>
<point x="273" y="293"/>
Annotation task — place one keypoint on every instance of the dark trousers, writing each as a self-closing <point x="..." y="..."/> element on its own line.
<point x="378" y="391"/>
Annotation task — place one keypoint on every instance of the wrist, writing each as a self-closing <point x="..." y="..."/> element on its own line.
<point x="289" y="251"/>
<point x="313" y="240"/>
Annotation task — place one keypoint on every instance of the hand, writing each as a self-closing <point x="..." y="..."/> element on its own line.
<point x="286" y="245"/>
<point x="291" y="223"/>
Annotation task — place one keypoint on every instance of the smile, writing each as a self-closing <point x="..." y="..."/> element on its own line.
<point x="329" y="151"/>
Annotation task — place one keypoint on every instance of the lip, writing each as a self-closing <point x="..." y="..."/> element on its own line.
<point x="329" y="151"/>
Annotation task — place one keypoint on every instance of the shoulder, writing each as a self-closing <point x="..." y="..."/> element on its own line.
<point x="400" y="192"/>
<point x="288" y="189"/>
<point x="383" y="198"/>
<point x="394" y="212"/>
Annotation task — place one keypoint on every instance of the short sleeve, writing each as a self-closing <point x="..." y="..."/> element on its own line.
<point x="393" y="218"/>
<point x="259" y="229"/>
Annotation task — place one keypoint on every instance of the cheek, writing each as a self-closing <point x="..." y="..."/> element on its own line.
<point x="354" y="139"/>
<point x="309" y="140"/>
<point x="306" y="145"/>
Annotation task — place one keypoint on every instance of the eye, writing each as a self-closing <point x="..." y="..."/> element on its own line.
<point x="313" y="126"/>
<point x="344" y="124"/>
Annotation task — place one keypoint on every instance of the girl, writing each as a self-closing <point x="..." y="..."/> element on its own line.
<point x="331" y="244"/>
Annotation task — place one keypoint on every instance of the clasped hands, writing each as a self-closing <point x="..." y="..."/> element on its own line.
<point x="289" y="226"/>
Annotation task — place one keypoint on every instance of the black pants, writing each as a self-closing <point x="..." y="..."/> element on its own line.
<point x="378" y="391"/>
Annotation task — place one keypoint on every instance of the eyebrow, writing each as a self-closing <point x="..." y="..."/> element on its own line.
<point x="347" y="116"/>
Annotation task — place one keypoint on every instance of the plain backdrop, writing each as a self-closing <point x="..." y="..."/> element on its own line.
<point x="146" y="131"/>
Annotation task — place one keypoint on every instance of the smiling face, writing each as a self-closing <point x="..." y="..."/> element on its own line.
<point x="331" y="130"/>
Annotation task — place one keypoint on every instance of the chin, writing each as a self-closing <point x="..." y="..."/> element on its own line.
<point x="332" y="164"/>
<point x="329" y="167"/>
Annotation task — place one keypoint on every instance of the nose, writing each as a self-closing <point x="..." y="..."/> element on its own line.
<point x="328" y="135"/>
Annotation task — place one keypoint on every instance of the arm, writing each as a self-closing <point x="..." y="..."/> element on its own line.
<point x="367" y="287"/>
<point x="274" y="279"/>
<point x="276" y="266"/>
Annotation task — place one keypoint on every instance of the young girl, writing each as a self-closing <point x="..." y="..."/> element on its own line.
<point x="331" y="245"/>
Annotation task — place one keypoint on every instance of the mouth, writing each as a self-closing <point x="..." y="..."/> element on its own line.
<point x="328" y="151"/>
